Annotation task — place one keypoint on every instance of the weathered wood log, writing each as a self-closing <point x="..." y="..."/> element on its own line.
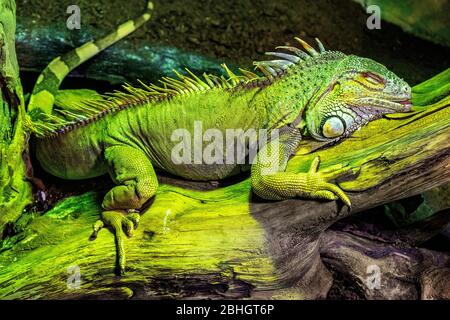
<point x="435" y="284"/>
<point x="400" y="270"/>
<point x="226" y="243"/>
<point x="382" y="263"/>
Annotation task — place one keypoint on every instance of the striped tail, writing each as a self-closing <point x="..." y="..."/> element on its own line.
<point x="48" y="82"/>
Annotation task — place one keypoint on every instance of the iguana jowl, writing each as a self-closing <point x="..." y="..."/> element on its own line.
<point x="324" y="95"/>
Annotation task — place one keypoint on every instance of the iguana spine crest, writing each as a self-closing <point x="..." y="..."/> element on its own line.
<point x="91" y="110"/>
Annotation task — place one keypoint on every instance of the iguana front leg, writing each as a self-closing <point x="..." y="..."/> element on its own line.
<point x="269" y="181"/>
<point x="136" y="183"/>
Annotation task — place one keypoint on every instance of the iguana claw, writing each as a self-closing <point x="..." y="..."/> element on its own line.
<point x="319" y="181"/>
<point x="121" y="224"/>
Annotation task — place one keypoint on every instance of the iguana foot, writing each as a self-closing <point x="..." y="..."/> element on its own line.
<point x="319" y="185"/>
<point x="121" y="222"/>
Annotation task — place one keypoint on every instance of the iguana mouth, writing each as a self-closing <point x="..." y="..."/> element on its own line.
<point x="405" y="102"/>
<point x="401" y="104"/>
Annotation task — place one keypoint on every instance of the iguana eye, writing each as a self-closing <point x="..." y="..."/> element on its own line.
<point x="333" y="127"/>
<point x="372" y="78"/>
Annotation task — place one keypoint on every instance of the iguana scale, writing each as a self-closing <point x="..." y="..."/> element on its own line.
<point x="324" y="95"/>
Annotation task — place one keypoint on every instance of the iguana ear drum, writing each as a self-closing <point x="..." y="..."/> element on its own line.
<point x="333" y="127"/>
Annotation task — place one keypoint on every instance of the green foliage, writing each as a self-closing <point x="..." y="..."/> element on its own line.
<point x="427" y="19"/>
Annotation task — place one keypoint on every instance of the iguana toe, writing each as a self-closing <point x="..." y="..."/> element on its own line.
<point x="320" y="181"/>
<point x="121" y="224"/>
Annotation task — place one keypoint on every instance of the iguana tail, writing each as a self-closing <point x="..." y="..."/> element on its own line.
<point x="48" y="82"/>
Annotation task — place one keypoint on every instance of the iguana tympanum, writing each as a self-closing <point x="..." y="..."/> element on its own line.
<point x="324" y="95"/>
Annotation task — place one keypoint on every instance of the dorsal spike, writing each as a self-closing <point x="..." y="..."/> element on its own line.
<point x="277" y="64"/>
<point x="179" y="75"/>
<point x="295" y="50"/>
<point x="267" y="70"/>
<point x="173" y="84"/>
<point x="200" y="83"/>
<point x="307" y="47"/>
<point x="250" y="75"/>
<point x="229" y="72"/>
<point x="234" y="78"/>
<point x="146" y="87"/>
<point x="159" y="88"/>
<point x="207" y="78"/>
<point x="321" y="47"/>
<point x="285" y="56"/>
<point x="225" y="83"/>
<point x="272" y="71"/>
<point x="175" y="81"/>
<point x="218" y="81"/>
<point x="191" y="84"/>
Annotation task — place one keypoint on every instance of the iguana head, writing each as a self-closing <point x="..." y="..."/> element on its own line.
<point x="342" y="92"/>
<point x="359" y="90"/>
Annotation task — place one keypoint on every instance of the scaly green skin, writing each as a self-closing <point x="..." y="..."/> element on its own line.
<point x="324" y="95"/>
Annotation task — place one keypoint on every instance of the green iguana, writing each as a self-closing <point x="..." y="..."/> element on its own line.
<point x="324" y="95"/>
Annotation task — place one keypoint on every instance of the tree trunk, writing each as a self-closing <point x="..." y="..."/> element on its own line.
<point x="15" y="191"/>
